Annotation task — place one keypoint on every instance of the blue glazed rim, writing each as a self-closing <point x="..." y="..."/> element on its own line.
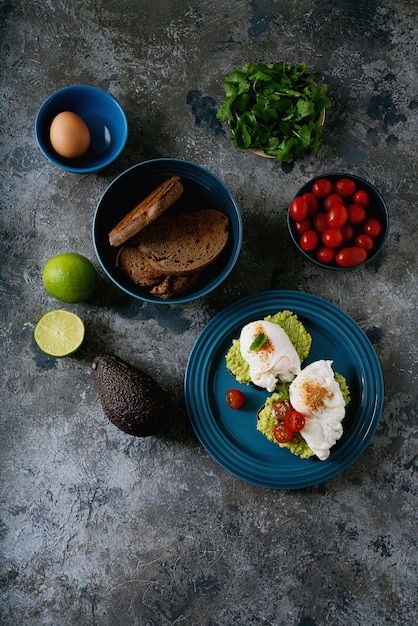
<point x="49" y="109"/>
<point x="379" y="210"/>
<point x="231" y="438"/>
<point x="156" y="171"/>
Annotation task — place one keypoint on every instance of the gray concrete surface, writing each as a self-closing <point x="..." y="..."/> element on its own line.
<point x="98" y="528"/>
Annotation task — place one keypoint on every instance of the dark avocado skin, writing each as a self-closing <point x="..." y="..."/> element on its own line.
<point x="131" y="399"/>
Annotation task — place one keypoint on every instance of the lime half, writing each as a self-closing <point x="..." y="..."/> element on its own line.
<point x="59" y="333"/>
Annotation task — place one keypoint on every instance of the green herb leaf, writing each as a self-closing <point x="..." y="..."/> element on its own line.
<point x="274" y="109"/>
<point x="258" y="342"/>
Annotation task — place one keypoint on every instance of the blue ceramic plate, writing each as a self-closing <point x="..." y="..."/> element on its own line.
<point x="230" y="436"/>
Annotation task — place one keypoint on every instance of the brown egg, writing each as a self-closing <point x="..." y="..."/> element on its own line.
<point x="69" y="135"/>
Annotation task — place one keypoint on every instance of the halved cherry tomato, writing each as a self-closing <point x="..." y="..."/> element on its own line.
<point x="235" y="398"/>
<point x="332" y="200"/>
<point x="299" y="209"/>
<point x="303" y="226"/>
<point x="350" y="257"/>
<point x="361" y="197"/>
<point x="332" y="237"/>
<point x="337" y="216"/>
<point x="322" y="187"/>
<point x="320" y="222"/>
<point x="280" y="408"/>
<point x="356" y="214"/>
<point x="282" y="434"/>
<point x="312" y="202"/>
<point x="294" y="420"/>
<point x="309" y="240"/>
<point x="345" y="187"/>
<point x="325" y="255"/>
<point x="364" y="241"/>
<point x="372" y="227"/>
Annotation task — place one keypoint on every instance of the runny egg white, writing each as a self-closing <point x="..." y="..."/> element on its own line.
<point x="275" y="360"/>
<point x="316" y="394"/>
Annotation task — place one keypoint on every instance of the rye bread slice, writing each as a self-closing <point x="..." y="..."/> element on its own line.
<point x="185" y="243"/>
<point x="146" y="211"/>
<point x="135" y="264"/>
<point x="173" y="286"/>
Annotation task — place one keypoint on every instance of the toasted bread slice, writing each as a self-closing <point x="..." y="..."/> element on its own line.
<point x="173" y="286"/>
<point x="185" y="243"/>
<point x="135" y="264"/>
<point x="146" y="211"/>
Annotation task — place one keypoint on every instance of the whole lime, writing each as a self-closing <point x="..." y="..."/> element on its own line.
<point x="69" y="277"/>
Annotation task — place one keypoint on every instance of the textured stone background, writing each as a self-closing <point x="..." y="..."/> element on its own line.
<point x="98" y="528"/>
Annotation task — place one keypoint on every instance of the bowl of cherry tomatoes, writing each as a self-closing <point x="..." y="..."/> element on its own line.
<point x="338" y="221"/>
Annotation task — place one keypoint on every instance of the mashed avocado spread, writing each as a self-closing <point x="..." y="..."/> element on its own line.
<point x="294" y="329"/>
<point x="266" y="423"/>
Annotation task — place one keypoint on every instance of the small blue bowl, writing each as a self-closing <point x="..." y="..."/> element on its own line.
<point x="104" y="117"/>
<point x="202" y="189"/>
<point x="376" y="209"/>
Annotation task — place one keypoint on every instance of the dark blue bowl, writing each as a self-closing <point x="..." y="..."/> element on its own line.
<point x="202" y="189"/>
<point x="104" y="117"/>
<point x="377" y="208"/>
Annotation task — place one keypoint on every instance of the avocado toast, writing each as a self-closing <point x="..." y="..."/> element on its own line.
<point x="266" y="420"/>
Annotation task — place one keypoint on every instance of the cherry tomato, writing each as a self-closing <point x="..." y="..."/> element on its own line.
<point x="235" y="398"/>
<point x="349" y="257"/>
<point x="309" y="240"/>
<point x="280" y="408"/>
<point x="348" y="232"/>
<point x="332" y="237"/>
<point x="337" y="216"/>
<point x="372" y="227"/>
<point x="356" y="214"/>
<point x="345" y="187"/>
<point x="312" y="202"/>
<point x="299" y="209"/>
<point x="294" y="420"/>
<point x="325" y="255"/>
<point x="320" y="222"/>
<point x="322" y="187"/>
<point x="303" y="226"/>
<point x="332" y="200"/>
<point x="282" y="434"/>
<point x="361" y="197"/>
<point x="364" y="241"/>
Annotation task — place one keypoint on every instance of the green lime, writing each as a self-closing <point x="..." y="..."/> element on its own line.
<point x="59" y="333"/>
<point x="69" y="277"/>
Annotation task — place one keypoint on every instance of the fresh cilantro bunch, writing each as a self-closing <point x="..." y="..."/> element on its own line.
<point x="275" y="109"/>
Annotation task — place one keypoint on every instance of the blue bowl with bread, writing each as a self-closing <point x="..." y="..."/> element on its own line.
<point x="167" y="231"/>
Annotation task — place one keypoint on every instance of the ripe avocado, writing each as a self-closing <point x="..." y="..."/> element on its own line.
<point x="131" y="399"/>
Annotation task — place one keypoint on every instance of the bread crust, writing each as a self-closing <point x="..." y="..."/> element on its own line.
<point x="146" y="211"/>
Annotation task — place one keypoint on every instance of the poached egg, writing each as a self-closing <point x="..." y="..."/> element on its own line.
<point x="315" y="393"/>
<point x="275" y="360"/>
